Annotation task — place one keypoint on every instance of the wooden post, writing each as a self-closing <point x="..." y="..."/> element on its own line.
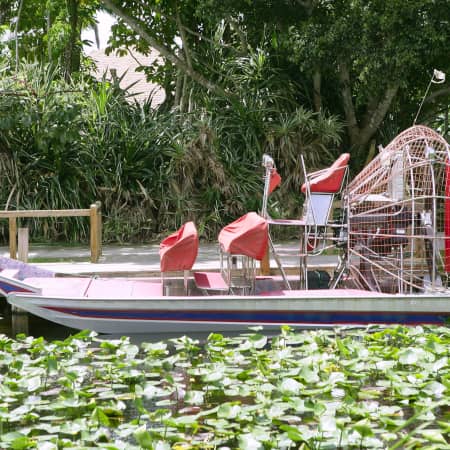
<point x="264" y="266"/>
<point x="96" y="236"/>
<point x="19" y="321"/>
<point x="99" y="229"/>
<point x="13" y="237"/>
<point x="23" y="244"/>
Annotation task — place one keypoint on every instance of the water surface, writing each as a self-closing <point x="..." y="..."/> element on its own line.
<point x="13" y="323"/>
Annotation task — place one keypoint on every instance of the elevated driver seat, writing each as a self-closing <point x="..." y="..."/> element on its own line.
<point x="320" y="188"/>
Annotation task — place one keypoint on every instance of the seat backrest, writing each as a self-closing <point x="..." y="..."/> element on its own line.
<point x="247" y="236"/>
<point x="179" y="250"/>
<point x="318" y="208"/>
<point x="328" y="180"/>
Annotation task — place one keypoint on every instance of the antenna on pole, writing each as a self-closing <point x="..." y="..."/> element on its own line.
<point x="438" y="77"/>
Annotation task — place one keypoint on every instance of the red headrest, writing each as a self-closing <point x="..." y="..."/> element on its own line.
<point x="275" y="180"/>
<point x="329" y="180"/>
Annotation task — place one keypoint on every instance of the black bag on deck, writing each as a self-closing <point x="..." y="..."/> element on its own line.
<point x="318" y="279"/>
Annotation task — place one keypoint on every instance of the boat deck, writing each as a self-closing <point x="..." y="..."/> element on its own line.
<point x="135" y="288"/>
<point x="96" y="288"/>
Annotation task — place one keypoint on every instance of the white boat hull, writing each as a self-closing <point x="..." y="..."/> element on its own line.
<point x="235" y="313"/>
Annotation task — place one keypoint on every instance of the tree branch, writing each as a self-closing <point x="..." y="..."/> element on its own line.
<point x="377" y="115"/>
<point x="434" y="95"/>
<point x="185" y="46"/>
<point x="163" y="50"/>
<point x="360" y="135"/>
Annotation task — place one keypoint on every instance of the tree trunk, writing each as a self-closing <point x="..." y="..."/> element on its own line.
<point x="361" y="132"/>
<point x="374" y="118"/>
<point x="16" y="34"/>
<point x="178" y="89"/>
<point x="49" y="43"/>
<point x="184" y="94"/>
<point x="347" y="101"/>
<point x="73" y="50"/>
<point x="317" y="80"/>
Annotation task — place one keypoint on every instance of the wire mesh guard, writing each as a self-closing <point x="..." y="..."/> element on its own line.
<point x="398" y="212"/>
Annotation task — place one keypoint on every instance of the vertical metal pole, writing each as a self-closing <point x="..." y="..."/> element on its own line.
<point x="264" y="265"/>
<point x="186" y="281"/>
<point x="304" y="233"/>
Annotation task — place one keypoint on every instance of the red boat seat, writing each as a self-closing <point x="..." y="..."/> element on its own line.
<point x="329" y="180"/>
<point x="247" y="236"/>
<point x="179" y="250"/>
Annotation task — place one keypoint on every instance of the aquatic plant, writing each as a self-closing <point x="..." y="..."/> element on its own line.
<point x="340" y="388"/>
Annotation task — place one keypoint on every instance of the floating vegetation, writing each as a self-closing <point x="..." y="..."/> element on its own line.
<point x="321" y="389"/>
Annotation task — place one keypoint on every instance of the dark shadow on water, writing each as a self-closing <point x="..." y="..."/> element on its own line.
<point x="14" y="323"/>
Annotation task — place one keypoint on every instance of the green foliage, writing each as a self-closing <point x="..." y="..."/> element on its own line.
<point x="241" y="79"/>
<point x="366" y="62"/>
<point x="384" y="42"/>
<point x="65" y="145"/>
<point x="379" y="387"/>
<point x="48" y="32"/>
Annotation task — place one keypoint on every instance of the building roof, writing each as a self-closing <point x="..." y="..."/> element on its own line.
<point x="127" y="64"/>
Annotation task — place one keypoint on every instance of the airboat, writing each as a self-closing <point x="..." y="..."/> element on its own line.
<point x="390" y="225"/>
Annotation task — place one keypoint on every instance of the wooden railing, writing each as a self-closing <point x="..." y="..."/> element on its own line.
<point x="21" y="237"/>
